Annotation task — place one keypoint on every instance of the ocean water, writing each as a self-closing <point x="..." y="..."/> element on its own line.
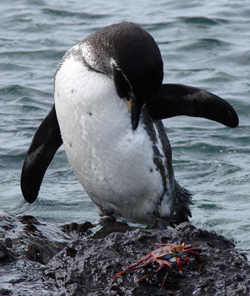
<point x="203" y="43"/>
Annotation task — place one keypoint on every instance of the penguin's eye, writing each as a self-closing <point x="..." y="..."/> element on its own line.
<point x="123" y="88"/>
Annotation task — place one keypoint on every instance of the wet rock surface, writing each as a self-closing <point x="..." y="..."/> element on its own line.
<point x="27" y="238"/>
<point x="87" y="267"/>
<point x="26" y="246"/>
<point x="38" y="258"/>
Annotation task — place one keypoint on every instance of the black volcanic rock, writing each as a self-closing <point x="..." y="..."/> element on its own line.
<point x="86" y="267"/>
<point x="42" y="258"/>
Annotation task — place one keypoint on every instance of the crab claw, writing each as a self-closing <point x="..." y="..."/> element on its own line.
<point x="179" y="265"/>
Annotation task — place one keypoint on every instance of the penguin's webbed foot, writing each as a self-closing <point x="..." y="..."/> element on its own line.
<point x="107" y="219"/>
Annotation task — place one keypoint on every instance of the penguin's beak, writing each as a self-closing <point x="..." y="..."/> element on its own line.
<point x="135" y="109"/>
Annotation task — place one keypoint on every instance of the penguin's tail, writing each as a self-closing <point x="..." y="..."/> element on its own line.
<point x="181" y="211"/>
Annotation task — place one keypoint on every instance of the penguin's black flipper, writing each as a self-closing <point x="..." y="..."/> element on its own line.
<point x="177" y="99"/>
<point x="43" y="147"/>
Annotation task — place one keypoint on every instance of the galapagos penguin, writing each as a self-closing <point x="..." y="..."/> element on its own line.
<point x="109" y="102"/>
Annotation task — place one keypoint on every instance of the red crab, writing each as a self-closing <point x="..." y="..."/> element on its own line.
<point x="165" y="256"/>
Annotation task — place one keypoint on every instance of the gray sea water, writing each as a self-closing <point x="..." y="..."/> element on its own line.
<point x="203" y="43"/>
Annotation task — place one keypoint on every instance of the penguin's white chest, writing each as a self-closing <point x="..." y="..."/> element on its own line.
<point x="113" y="162"/>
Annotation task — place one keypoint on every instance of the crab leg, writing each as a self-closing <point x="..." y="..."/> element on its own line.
<point x="190" y="248"/>
<point x="162" y="263"/>
<point x="145" y="258"/>
<point x="196" y="255"/>
<point x="169" y="265"/>
<point x="136" y="265"/>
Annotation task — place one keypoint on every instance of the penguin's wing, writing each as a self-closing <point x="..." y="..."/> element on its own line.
<point x="43" y="147"/>
<point x="177" y="99"/>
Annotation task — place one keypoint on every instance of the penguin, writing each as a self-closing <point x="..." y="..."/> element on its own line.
<point x="110" y="100"/>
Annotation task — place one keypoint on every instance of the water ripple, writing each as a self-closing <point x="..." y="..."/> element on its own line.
<point x="203" y="21"/>
<point x="66" y="13"/>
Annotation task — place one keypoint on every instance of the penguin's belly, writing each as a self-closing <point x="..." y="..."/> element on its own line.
<point x="114" y="163"/>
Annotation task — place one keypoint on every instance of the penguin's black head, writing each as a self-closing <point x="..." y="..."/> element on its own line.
<point x="135" y="61"/>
